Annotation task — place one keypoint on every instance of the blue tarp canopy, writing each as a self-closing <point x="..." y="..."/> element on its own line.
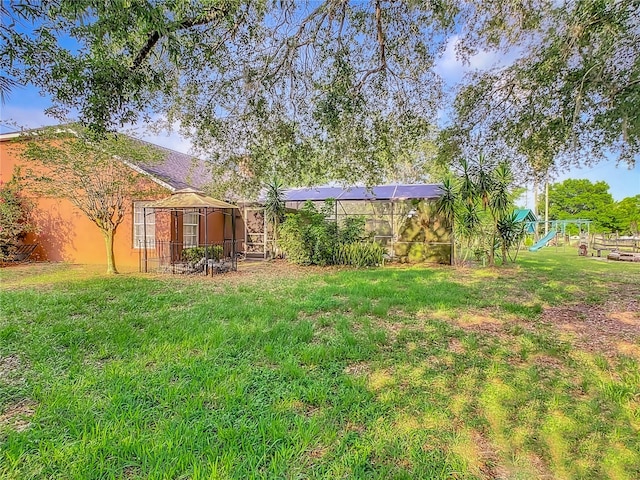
<point x="379" y="192"/>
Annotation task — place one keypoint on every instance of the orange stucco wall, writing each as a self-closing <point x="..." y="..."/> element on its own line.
<point x="64" y="233"/>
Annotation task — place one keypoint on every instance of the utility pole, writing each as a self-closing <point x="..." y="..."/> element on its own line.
<point x="536" y="186"/>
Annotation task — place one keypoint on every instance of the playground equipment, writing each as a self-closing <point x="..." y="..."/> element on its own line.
<point x="558" y="230"/>
<point x="543" y="241"/>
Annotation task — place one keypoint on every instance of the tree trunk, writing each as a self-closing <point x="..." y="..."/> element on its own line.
<point x="492" y="261"/>
<point x="275" y="240"/>
<point x="453" y="245"/>
<point x="111" y="260"/>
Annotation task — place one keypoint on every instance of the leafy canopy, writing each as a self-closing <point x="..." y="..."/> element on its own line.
<point x="335" y="89"/>
<point x="571" y="97"/>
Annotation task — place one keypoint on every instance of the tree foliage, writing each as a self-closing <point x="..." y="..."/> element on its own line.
<point x="327" y="89"/>
<point x="580" y="198"/>
<point x="571" y="96"/>
<point x="94" y="175"/>
<point x="331" y="89"/>
<point x="627" y="215"/>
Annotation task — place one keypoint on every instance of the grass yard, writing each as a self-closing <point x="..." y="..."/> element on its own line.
<point x="404" y="372"/>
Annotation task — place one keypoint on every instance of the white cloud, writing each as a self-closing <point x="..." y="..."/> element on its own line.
<point x="452" y="69"/>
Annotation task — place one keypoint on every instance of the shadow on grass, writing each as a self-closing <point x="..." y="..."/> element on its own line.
<point x="349" y="374"/>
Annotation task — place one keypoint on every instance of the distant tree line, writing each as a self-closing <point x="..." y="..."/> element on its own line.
<point x="575" y="198"/>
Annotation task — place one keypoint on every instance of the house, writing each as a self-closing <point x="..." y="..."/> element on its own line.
<point x="65" y="234"/>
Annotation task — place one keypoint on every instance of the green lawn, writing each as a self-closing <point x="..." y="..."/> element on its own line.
<point x="403" y="372"/>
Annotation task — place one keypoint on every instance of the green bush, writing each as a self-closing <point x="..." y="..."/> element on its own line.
<point x="15" y="221"/>
<point x="360" y="254"/>
<point x="195" y="254"/>
<point x="309" y="237"/>
<point x="352" y="230"/>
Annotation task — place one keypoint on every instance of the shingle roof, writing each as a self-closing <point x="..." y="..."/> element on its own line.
<point x="177" y="169"/>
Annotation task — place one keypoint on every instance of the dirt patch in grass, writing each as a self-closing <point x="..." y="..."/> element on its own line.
<point x="11" y="369"/>
<point x="610" y="328"/>
<point x="629" y="349"/>
<point x="631" y="318"/>
<point x="484" y="323"/>
<point x="317" y="453"/>
<point x="358" y="369"/>
<point x="131" y="472"/>
<point x="546" y="361"/>
<point x="17" y="415"/>
<point x="489" y="464"/>
<point x="456" y="346"/>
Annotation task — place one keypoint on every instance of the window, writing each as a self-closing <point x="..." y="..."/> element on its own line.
<point x="138" y="225"/>
<point x="190" y="229"/>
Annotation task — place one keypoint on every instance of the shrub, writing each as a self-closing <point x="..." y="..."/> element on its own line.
<point x="307" y="237"/>
<point x="14" y="217"/>
<point x="360" y="254"/>
<point x="195" y="254"/>
<point x="352" y="230"/>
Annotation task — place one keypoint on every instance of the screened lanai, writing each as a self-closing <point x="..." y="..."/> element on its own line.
<point x="400" y="217"/>
<point x="188" y="232"/>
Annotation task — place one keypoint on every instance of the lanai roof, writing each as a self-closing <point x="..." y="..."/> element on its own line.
<point x="379" y="192"/>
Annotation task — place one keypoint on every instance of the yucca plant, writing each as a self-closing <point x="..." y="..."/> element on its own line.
<point x="446" y="207"/>
<point x="274" y="207"/>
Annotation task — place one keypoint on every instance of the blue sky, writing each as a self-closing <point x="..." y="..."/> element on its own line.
<point x="25" y="107"/>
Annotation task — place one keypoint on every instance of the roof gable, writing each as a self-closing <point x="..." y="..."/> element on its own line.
<point x="525" y="215"/>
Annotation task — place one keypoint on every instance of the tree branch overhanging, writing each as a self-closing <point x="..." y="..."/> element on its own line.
<point x="155" y="36"/>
